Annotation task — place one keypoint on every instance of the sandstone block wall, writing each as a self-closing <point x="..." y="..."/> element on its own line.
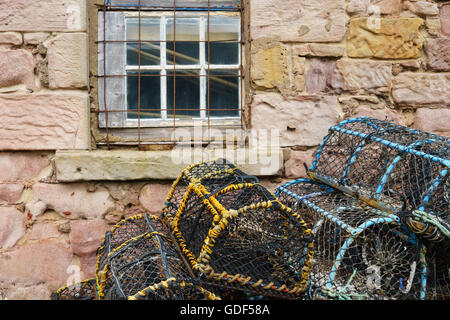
<point x="312" y="63"/>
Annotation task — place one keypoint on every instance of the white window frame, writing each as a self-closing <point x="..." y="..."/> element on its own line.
<point x="120" y="119"/>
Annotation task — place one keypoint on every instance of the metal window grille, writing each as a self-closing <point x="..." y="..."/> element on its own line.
<point x="149" y="75"/>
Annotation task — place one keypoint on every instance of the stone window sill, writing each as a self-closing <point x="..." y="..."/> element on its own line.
<point x="122" y="165"/>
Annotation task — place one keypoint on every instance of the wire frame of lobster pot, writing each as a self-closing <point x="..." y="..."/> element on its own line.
<point x="360" y="253"/>
<point x="213" y="175"/>
<point x="138" y="260"/>
<point x="386" y="165"/>
<point x="239" y="236"/>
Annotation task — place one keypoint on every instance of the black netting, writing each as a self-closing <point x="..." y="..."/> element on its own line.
<point x="84" y="290"/>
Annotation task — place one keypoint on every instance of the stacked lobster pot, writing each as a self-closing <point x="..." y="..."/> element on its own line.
<point x="138" y="260"/>
<point x="377" y="199"/>
<point x="236" y="235"/>
<point x="221" y="235"/>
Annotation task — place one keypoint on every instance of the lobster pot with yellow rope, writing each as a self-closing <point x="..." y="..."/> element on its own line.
<point x="83" y="290"/>
<point x="236" y="234"/>
<point x="359" y="252"/>
<point x="138" y="260"/>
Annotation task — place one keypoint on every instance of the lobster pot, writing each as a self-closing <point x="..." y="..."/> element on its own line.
<point x="212" y="175"/>
<point x="124" y="230"/>
<point x="240" y="237"/>
<point x="83" y="290"/>
<point x="386" y="165"/>
<point x="359" y="252"/>
<point x="145" y="265"/>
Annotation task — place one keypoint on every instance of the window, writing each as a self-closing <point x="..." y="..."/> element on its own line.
<point x="169" y="64"/>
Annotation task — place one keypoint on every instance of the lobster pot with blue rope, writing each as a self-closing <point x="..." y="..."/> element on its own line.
<point x="397" y="170"/>
<point x="236" y="234"/>
<point x="387" y="165"/>
<point x="359" y="252"/>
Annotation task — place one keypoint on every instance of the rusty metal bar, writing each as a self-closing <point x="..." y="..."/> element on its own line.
<point x="104" y="72"/>
<point x="209" y="70"/>
<point x="175" y="68"/>
<point x="139" y="75"/>
<point x="174" y="60"/>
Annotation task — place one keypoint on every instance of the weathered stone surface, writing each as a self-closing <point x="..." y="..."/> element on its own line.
<point x="17" y="68"/>
<point x="21" y="166"/>
<point x="71" y="201"/>
<point x="11" y="227"/>
<point x="14" y="38"/>
<point x="320" y="75"/>
<point x="36" y="263"/>
<point x="298" y="20"/>
<point x="34" y="38"/>
<point x="386" y="38"/>
<point x="44" y="230"/>
<point x="161" y="165"/>
<point x="87" y="235"/>
<point x="44" y="121"/>
<point x="318" y="50"/>
<point x="294" y="166"/>
<point x="380" y="114"/>
<point x="445" y="19"/>
<point x="363" y="75"/>
<point x="433" y="25"/>
<point x="302" y="120"/>
<point x="438" y="53"/>
<point x="88" y="266"/>
<point x="10" y="193"/>
<point x="422" y="7"/>
<point x="269" y="65"/>
<point x="422" y="88"/>
<point x="274" y="67"/>
<point x="374" y="6"/>
<point x="68" y="60"/>
<point x="43" y="15"/>
<point x="433" y="120"/>
<point x="37" y="292"/>
<point x="153" y="196"/>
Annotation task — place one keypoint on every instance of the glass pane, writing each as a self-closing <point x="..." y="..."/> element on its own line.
<point x="150" y="29"/>
<point x="222" y="53"/>
<point x="224" y="93"/>
<point x="223" y="28"/>
<point x="186" y="49"/>
<point x="187" y="94"/>
<point x="224" y="36"/>
<point x="150" y="54"/>
<point x="150" y="104"/>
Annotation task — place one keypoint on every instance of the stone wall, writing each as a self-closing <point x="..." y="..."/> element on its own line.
<point x="311" y="64"/>
<point x="315" y="63"/>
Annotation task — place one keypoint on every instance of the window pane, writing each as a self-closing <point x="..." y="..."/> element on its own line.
<point x="150" y="54"/>
<point x="149" y="29"/>
<point x="222" y="53"/>
<point x="187" y="36"/>
<point x="224" y="36"/>
<point x="224" y="93"/>
<point x="224" y="28"/>
<point x="187" y="94"/>
<point x="150" y="104"/>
